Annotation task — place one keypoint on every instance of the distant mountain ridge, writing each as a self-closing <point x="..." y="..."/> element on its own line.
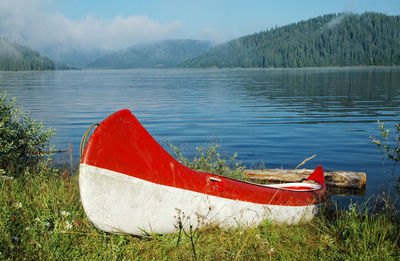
<point x="346" y="39"/>
<point x="162" y="54"/>
<point x="15" y="57"/>
<point x="330" y="40"/>
<point x="74" y="57"/>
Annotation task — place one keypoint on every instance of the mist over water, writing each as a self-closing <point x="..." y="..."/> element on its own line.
<point x="274" y="117"/>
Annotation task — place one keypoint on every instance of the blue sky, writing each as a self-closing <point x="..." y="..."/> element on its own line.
<point x="120" y="23"/>
<point x="235" y="17"/>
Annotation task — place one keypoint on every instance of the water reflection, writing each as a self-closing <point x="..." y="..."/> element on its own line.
<point x="334" y="93"/>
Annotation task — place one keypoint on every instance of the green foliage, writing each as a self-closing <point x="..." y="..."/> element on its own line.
<point x="331" y="40"/>
<point x="41" y="218"/>
<point x="358" y="233"/>
<point x="389" y="145"/>
<point x="22" y="140"/>
<point x="210" y="160"/>
<point x="15" y="57"/>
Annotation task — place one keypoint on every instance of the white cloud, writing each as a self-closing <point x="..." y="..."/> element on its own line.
<point x="214" y="35"/>
<point x="336" y="20"/>
<point x="32" y="23"/>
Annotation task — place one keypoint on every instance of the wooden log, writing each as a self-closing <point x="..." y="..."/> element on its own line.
<point x="360" y="192"/>
<point x="333" y="178"/>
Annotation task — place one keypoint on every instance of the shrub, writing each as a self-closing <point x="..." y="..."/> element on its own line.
<point x="22" y="140"/>
<point x="210" y="160"/>
<point x="389" y="145"/>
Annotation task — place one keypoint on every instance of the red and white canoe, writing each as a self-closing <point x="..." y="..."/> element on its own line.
<point x="130" y="184"/>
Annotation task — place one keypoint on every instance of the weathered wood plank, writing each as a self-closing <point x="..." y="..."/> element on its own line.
<point x="346" y="191"/>
<point x="334" y="178"/>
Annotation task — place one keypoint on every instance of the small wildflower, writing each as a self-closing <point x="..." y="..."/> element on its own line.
<point x="18" y="205"/>
<point x="47" y="224"/>
<point x="37" y="219"/>
<point x="65" y="213"/>
<point x="2" y="171"/>
<point x="68" y="225"/>
<point x="241" y="233"/>
<point x="271" y="250"/>
<point x="27" y="228"/>
<point x="7" y="178"/>
<point x="258" y="236"/>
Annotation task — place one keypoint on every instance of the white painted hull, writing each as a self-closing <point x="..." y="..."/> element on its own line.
<point x="119" y="203"/>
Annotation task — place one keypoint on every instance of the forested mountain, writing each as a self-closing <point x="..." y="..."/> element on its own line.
<point x="331" y="40"/>
<point x="167" y="53"/>
<point x="15" y="57"/>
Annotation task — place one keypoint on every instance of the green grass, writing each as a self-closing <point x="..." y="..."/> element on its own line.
<point x="41" y="218"/>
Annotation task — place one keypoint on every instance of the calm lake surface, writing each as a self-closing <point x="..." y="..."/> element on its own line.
<point x="275" y="117"/>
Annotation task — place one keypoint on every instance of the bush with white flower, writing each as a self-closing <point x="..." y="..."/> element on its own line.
<point x="22" y="140"/>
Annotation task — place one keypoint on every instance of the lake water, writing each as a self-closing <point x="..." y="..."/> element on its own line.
<point x="275" y="117"/>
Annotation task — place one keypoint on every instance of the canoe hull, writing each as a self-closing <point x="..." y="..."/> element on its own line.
<point x="119" y="203"/>
<point x="130" y="184"/>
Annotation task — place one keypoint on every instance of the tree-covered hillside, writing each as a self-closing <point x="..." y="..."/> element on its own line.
<point x="331" y="40"/>
<point x="15" y="57"/>
<point x="167" y="53"/>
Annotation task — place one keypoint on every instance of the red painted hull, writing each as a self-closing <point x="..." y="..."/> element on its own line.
<point x="121" y="144"/>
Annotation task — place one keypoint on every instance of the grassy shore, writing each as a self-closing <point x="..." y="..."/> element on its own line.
<point x="41" y="218"/>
